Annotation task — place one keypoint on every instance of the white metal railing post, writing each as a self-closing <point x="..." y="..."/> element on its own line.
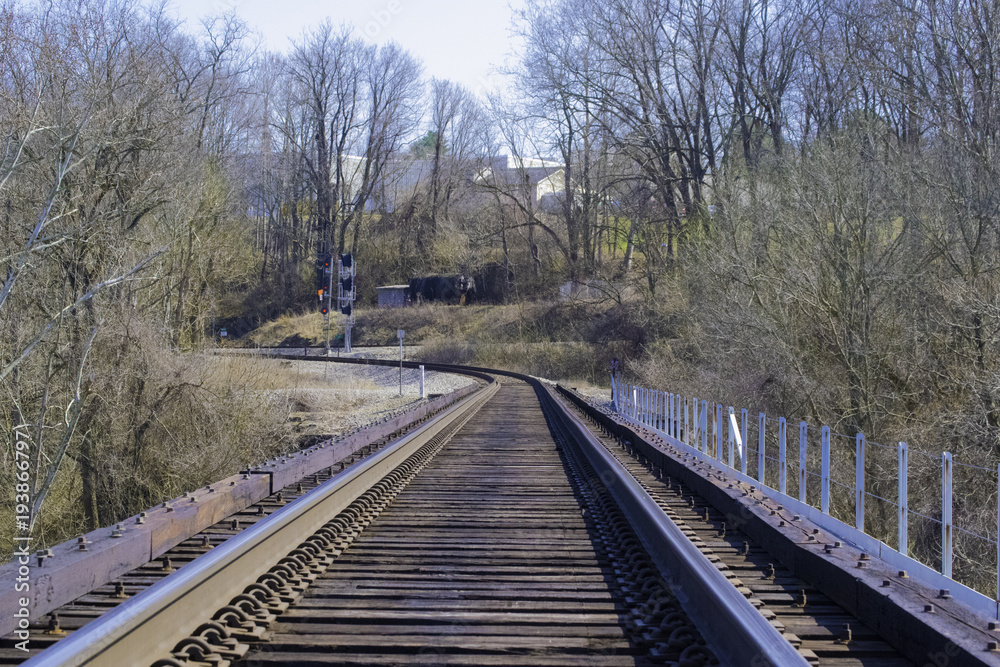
<point x="694" y="422"/>
<point x="782" y="463"/>
<point x="802" y="461"/>
<point x="675" y="426"/>
<point x="614" y="394"/>
<point x="661" y="413"/>
<point x="704" y="427"/>
<point x="677" y="407"/>
<point x="651" y="412"/>
<point x="904" y="506"/>
<point x="715" y="430"/>
<point x="666" y="411"/>
<point x="668" y="421"/>
<point x="720" y="451"/>
<point x="687" y="429"/>
<point x="658" y="410"/>
<point x="667" y="426"/>
<point x="678" y="399"/>
<point x="671" y="418"/>
<point x="859" y="482"/>
<point x="635" y="403"/>
<point x="661" y="396"/>
<point x="672" y="409"/>
<point x="657" y="399"/>
<point x="946" y="525"/>
<point x="746" y="443"/>
<point x="824" y="496"/>
<point x="761" y="458"/>
<point x="740" y="444"/>
<point x="732" y="437"/>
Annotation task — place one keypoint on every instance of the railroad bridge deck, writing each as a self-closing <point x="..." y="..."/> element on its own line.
<point x="485" y="553"/>
<point x="504" y="531"/>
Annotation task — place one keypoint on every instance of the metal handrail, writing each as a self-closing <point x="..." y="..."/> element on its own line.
<point x="660" y="411"/>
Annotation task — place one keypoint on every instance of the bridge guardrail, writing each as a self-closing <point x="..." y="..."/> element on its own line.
<point x="719" y="435"/>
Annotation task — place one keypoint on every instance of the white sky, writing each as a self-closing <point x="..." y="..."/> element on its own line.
<point x="456" y="40"/>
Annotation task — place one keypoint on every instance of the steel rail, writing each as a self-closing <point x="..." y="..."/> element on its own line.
<point x="153" y="622"/>
<point x="736" y="632"/>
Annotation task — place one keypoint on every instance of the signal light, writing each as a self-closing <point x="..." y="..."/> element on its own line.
<point x="346" y="260"/>
<point x="347" y="282"/>
<point x="346" y="310"/>
<point x="323" y="309"/>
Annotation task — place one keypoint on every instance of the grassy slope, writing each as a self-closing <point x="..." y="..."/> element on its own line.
<point x="573" y="342"/>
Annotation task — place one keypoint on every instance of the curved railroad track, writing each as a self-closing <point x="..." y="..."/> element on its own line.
<point x="504" y="531"/>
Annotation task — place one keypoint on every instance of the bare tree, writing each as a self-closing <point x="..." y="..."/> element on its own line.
<point x="392" y="90"/>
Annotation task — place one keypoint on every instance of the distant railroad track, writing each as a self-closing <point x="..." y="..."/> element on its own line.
<point x="502" y="531"/>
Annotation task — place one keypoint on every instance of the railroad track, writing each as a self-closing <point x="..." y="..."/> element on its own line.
<point x="504" y="533"/>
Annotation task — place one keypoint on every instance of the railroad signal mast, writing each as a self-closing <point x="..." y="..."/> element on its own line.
<point x="346" y="295"/>
<point x="325" y="291"/>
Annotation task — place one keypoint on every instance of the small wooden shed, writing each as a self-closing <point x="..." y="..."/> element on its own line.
<point x="392" y="296"/>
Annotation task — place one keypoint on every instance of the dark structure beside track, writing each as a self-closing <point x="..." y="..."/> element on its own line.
<point x="393" y="296"/>
<point x="457" y="289"/>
